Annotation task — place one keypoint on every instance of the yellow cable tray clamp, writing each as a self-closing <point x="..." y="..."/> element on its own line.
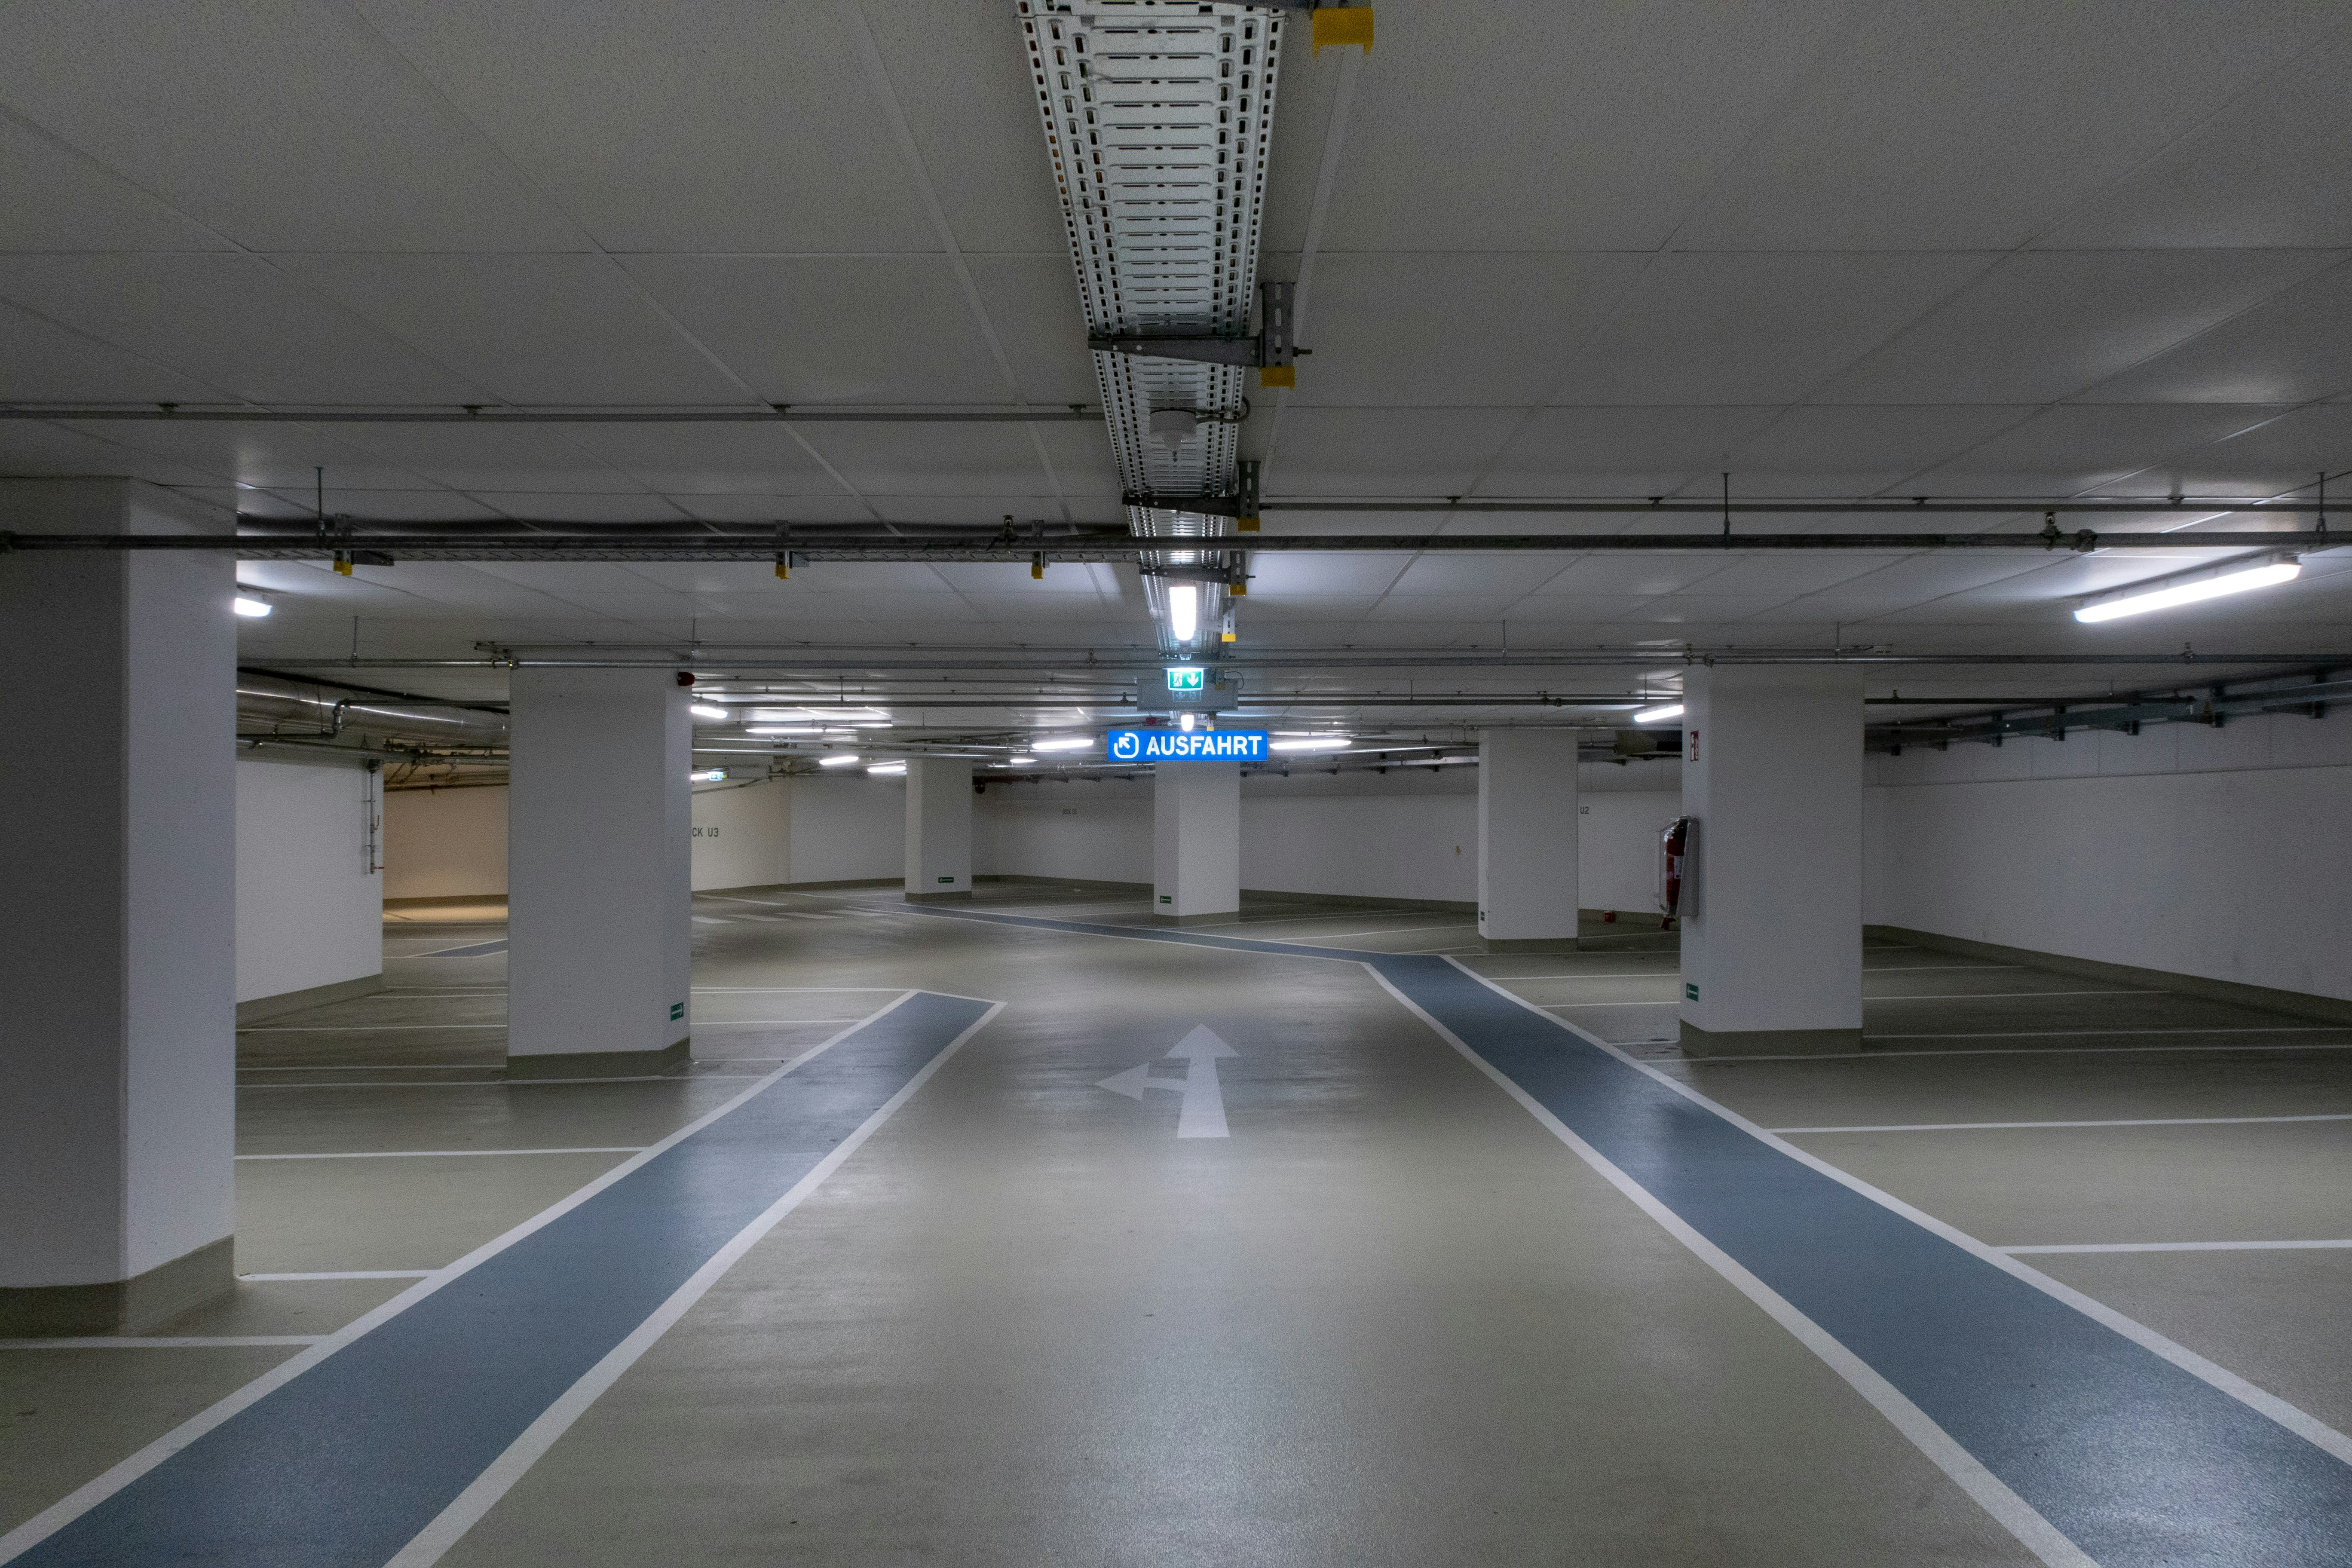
<point x="1271" y="352"/>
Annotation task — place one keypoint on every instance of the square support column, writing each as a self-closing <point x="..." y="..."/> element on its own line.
<point x="939" y="829"/>
<point x="599" y="872"/>
<point x="1196" y="842"/>
<point x="1527" y="839"/>
<point x="118" y="952"/>
<point x="1771" y="945"/>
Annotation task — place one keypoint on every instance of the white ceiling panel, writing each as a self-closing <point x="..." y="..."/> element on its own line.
<point x="1446" y="573"/>
<point x="270" y="455"/>
<point x="232" y="322"/>
<point x="528" y="328"/>
<point x="1860" y="448"/>
<point x="836" y="329"/>
<point x="579" y="506"/>
<point x="1440" y="329"/>
<point x="39" y="448"/>
<point x="2044" y="325"/>
<point x="413" y="505"/>
<point x="60" y="198"/>
<point x="738" y="125"/>
<point x="483" y="457"/>
<point x="44" y="362"/>
<point x="2273" y="167"/>
<point x="1544" y="127"/>
<point x="982" y="461"/>
<point x="2277" y="455"/>
<point x="961" y="76"/>
<point x="1717" y="329"/>
<point x="282" y="128"/>
<point x="1032" y="303"/>
<point x="2291" y="348"/>
<point x="1934" y="125"/>
<point x="1380" y="451"/>
<point x="2078" y="445"/>
<point x="1619" y="451"/>
<point x="1284" y="575"/>
<point x="692" y="459"/>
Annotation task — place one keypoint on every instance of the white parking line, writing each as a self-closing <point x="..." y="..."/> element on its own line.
<point x="183" y="1343"/>
<point x="447" y="1153"/>
<point x="2184" y="1246"/>
<point x="2134" y="1122"/>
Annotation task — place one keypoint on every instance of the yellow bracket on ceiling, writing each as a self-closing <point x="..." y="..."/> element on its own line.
<point x="1337" y="28"/>
<point x="1279" y="374"/>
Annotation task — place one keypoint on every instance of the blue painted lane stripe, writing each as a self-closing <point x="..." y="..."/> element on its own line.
<point x="341" y="1466"/>
<point x="2136" y="1459"/>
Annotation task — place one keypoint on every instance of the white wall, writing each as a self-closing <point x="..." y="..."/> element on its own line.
<point x="1089" y="830"/>
<point x="1410" y="834"/>
<point x="743" y="834"/>
<point x="2225" y="854"/>
<point x="848" y="829"/>
<point x="308" y="911"/>
<point x="445" y="843"/>
<point x="1617" y="854"/>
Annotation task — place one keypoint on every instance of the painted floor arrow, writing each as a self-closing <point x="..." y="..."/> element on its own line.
<point x="1203" y="1114"/>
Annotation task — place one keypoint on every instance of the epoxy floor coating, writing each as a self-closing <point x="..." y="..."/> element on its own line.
<point x="1389" y="1318"/>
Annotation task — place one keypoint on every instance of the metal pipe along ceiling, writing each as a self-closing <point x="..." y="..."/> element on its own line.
<point x="322" y="713"/>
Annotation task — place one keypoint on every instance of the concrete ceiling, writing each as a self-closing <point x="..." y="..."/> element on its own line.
<point x="1831" y="248"/>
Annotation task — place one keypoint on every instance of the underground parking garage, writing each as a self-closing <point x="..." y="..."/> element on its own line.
<point x="1117" y="782"/>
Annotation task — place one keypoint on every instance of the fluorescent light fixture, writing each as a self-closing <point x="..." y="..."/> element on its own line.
<point x="246" y="605"/>
<point x="818" y="716"/>
<point x="1184" y="722"/>
<point x="1065" y="744"/>
<point x="1660" y="714"/>
<point x="801" y="729"/>
<point x="708" y="775"/>
<point x="1314" y="743"/>
<point x="1183" y="611"/>
<point x="842" y="760"/>
<point x="885" y="770"/>
<point x="706" y="711"/>
<point x="2189" y="587"/>
<point x="1020" y="759"/>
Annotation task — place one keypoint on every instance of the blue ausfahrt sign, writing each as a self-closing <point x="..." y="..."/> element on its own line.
<point x="1187" y="745"/>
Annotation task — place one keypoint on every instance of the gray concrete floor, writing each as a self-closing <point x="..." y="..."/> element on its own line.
<point x="1390" y="1320"/>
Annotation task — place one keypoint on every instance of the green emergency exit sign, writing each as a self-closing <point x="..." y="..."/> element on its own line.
<point x="1185" y="678"/>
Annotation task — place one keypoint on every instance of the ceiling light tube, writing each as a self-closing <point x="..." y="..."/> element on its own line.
<point x="1065" y="744"/>
<point x="885" y="770"/>
<point x="1316" y="743"/>
<point x="246" y="605"/>
<point x="706" y="711"/>
<point x="2189" y="587"/>
<point x="1183" y="611"/>
<point x="1660" y="714"/>
<point x="842" y="760"/>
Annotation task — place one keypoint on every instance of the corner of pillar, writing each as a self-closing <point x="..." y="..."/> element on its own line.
<point x="1698" y="1041"/>
<point x="678" y="1054"/>
<point x="121" y="1306"/>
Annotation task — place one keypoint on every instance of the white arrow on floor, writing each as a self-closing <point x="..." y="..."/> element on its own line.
<point x="1203" y="1115"/>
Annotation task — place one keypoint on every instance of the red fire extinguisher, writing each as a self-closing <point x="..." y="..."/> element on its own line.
<point x="1674" y="866"/>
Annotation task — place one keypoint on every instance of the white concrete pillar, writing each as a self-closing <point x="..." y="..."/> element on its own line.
<point x="599" y="868"/>
<point x="939" y="828"/>
<point x="1527" y="837"/>
<point x="1196" y="841"/>
<point x="1771" y="943"/>
<point x="118" y="918"/>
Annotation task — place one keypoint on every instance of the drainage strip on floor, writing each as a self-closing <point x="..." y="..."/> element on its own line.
<point x="2136" y="1450"/>
<point x="343" y="1457"/>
